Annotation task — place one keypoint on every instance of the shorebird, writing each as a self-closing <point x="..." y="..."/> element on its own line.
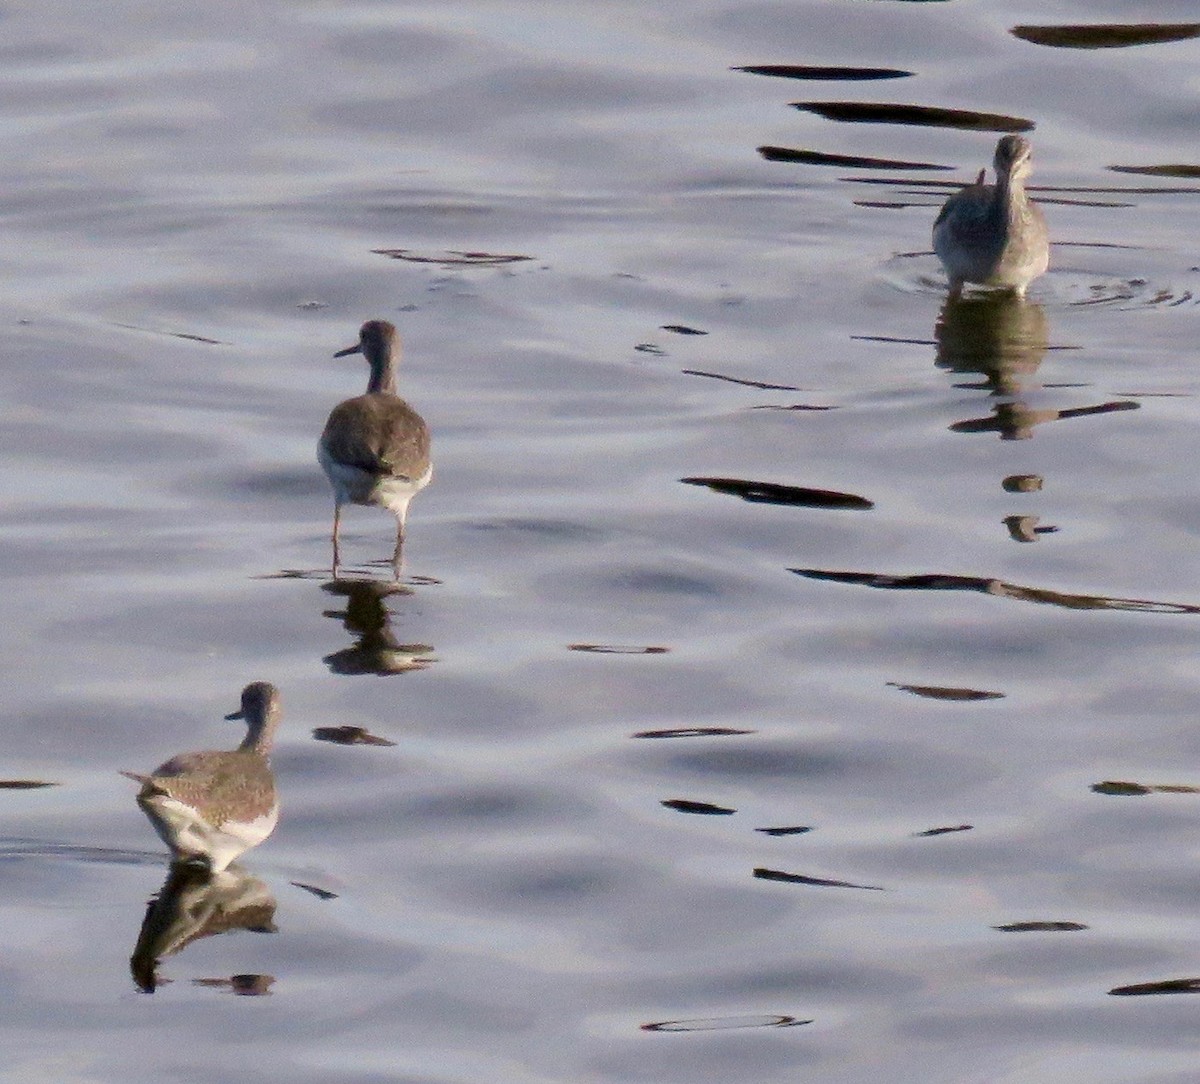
<point x="211" y="807"/>
<point x="375" y="447"/>
<point x="992" y="234"/>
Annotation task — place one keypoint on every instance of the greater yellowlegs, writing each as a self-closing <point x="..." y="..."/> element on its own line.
<point x="991" y="234"/>
<point x="375" y="447"/>
<point x="211" y="807"/>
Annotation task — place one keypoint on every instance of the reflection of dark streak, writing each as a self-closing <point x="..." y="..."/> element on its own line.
<point x="683" y="329"/>
<point x="945" y="692"/>
<point x="1156" y="394"/>
<point x="795" y="830"/>
<point x="887" y="205"/>
<point x="1040" y="927"/>
<point x="693" y="732"/>
<point x="1048" y="200"/>
<point x="1121" y="789"/>
<point x="1166" y="986"/>
<point x="745" y="383"/>
<point x="24" y="784"/>
<point x="890" y="338"/>
<point x="849" y="161"/>
<point x="773" y="493"/>
<point x="685" y="805"/>
<point x="937" y="581"/>
<point x="349" y="735"/>
<point x="801" y="879"/>
<point x="451" y="259"/>
<point x="923" y="115"/>
<point x="1008" y="419"/>
<point x="320" y="893"/>
<point x="793" y="406"/>
<point x="618" y="649"/>
<point x="897" y="182"/>
<point x="1159" y="171"/>
<point x="173" y="335"/>
<point x="1097" y="244"/>
<point x="1106" y="36"/>
<point x="726" y="1023"/>
<point x="943" y="831"/>
<point x="806" y="71"/>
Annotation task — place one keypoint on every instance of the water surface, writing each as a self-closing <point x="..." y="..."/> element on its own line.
<point x="868" y="752"/>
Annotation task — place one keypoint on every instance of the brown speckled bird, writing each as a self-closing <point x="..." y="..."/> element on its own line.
<point x="992" y="234"/>
<point x="211" y="807"/>
<point x="375" y="447"/>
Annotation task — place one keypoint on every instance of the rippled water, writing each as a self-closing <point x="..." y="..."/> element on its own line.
<point x="868" y="753"/>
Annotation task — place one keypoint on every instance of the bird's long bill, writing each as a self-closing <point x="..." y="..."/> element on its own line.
<point x="236" y="715"/>
<point x="355" y="349"/>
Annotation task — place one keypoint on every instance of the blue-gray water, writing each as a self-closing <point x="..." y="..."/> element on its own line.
<point x="192" y="198"/>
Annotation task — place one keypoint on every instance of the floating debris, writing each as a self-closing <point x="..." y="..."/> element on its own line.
<point x="791" y="830"/>
<point x="25" y="784"/>
<point x="682" y="329"/>
<point x="943" y="831"/>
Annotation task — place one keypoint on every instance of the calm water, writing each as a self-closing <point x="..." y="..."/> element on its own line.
<point x="559" y="871"/>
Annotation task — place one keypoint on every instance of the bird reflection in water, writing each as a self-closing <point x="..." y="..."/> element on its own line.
<point x="1003" y="338"/>
<point x="192" y="904"/>
<point x="377" y="650"/>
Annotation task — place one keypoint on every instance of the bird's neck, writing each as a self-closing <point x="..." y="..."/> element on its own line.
<point x="259" y="736"/>
<point x="383" y="374"/>
<point x="1010" y="196"/>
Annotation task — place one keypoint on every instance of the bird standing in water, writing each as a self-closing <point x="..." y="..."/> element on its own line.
<point x="211" y="807"/>
<point x="375" y="447"/>
<point x="991" y="234"/>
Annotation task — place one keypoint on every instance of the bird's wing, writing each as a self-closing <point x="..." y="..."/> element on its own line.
<point x="379" y="434"/>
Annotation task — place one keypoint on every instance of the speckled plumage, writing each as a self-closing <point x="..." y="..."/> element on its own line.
<point x="375" y="447"/>
<point x="992" y="234"/>
<point x="210" y="807"/>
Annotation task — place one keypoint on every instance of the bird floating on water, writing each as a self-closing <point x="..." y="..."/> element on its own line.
<point x="991" y="234"/>
<point x="375" y="447"/>
<point x="209" y="808"/>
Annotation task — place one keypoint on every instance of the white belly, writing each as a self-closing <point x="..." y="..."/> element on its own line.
<point x="354" y="486"/>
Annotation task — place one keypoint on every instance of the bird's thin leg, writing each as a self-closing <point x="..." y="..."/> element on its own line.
<point x="337" y="518"/>
<point x="398" y="553"/>
<point x="956" y="287"/>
